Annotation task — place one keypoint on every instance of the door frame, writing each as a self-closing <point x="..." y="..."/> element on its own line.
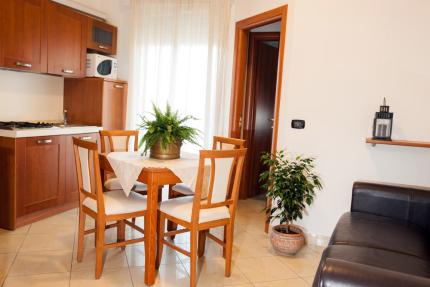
<point x="240" y="59"/>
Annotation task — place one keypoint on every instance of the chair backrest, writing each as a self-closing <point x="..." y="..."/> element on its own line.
<point x="88" y="172"/>
<point x="118" y="140"/>
<point x="225" y="178"/>
<point x="225" y="143"/>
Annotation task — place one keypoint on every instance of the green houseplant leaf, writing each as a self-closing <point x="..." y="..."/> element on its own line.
<point x="291" y="183"/>
<point x="166" y="127"/>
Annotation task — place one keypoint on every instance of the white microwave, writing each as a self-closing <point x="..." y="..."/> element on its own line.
<point x="101" y="66"/>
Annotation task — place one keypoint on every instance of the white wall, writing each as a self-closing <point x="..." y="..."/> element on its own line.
<point x="342" y="57"/>
<point x="35" y="97"/>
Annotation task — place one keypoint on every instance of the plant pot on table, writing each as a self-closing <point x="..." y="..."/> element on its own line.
<point x="171" y="151"/>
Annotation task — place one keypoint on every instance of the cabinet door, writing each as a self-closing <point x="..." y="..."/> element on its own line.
<point x="66" y="32"/>
<point x="23" y="39"/>
<point x="101" y="37"/>
<point x="72" y="194"/>
<point x="41" y="174"/>
<point x="114" y="105"/>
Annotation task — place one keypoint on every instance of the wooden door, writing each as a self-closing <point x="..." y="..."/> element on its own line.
<point x="23" y="37"/>
<point x="114" y="105"/>
<point x="66" y="31"/>
<point x="40" y="178"/>
<point x="71" y="189"/>
<point x="259" y="106"/>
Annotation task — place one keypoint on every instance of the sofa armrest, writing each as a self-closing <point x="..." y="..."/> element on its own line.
<point x="335" y="272"/>
<point x="403" y="202"/>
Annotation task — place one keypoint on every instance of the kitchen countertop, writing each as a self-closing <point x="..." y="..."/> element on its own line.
<point x="53" y="131"/>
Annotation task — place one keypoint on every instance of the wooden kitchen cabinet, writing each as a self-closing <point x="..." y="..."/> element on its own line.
<point x="37" y="178"/>
<point x="96" y="101"/>
<point x="40" y="177"/>
<point x="66" y="40"/>
<point x="101" y="37"/>
<point x="22" y="35"/>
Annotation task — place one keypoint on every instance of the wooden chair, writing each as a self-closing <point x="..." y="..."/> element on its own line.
<point x="103" y="207"/>
<point x="180" y="190"/>
<point x="219" y="143"/>
<point x="197" y="216"/>
<point x="119" y="140"/>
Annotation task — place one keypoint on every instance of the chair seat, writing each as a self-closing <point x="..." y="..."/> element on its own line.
<point x="182" y="188"/>
<point x="114" y="184"/>
<point x="116" y="202"/>
<point x="181" y="208"/>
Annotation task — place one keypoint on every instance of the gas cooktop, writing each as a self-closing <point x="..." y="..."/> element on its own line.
<point x="24" y="125"/>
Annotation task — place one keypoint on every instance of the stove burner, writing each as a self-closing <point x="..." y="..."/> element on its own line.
<point x="24" y="125"/>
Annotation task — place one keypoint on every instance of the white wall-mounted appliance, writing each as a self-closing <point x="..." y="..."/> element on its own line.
<point x="102" y="66"/>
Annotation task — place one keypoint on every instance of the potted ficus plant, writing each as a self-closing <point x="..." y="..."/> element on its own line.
<point x="291" y="184"/>
<point x="166" y="132"/>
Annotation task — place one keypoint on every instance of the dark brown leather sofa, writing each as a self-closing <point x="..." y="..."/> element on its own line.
<point x="383" y="241"/>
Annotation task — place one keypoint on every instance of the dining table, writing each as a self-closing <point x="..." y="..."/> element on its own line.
<point x="154" y="173"/>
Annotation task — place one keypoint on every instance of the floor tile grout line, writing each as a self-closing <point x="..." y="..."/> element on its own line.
<point x="16" y="255"/>
<point x="71" y="261"/>
<point x="128" y="265"/>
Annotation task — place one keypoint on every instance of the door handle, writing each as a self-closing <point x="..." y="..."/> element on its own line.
<point x="103" y="47"/>
<point x="68" y="71"/>
<point x="22" y="64"/>
<point x="86" y="138"/>
<point x="47" y="141"/>
<point x="119" y="86"/>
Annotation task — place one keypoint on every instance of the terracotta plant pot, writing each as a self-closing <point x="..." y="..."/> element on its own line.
<point x="284" y="243"/>
<point x="172" y="151"/>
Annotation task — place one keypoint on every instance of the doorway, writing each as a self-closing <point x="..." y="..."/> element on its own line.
<point x="259" y="105"/>
<point x="257" y="80"/>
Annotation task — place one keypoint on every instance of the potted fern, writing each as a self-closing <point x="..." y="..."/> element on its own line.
<point x="166" y="132"/>
<point x="291" y="183"/>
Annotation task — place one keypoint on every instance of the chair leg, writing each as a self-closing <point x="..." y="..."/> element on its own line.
<point x="225" y="240"/>
<point x="193" y="255"/>
<point x="120" y="232"/>
<point x="81" y="233"/>
<point x="133" y="220"/>
<point x="161" y="225"/>
<point x="95" y="233"/>
<point x="202" y="242"/>
<point x="100" y="242"/>
<point x="171" y="226"/>
<point x="228" y="249"/>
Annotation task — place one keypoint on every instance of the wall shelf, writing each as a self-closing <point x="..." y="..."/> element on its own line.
<point x="399" y="143"/>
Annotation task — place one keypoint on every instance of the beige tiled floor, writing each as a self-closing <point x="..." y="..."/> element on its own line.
<point x="44" y="254"/>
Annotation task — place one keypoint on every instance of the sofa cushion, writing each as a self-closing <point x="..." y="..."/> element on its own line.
<point x="362" y="229"/>
<point x="379" y="258"/>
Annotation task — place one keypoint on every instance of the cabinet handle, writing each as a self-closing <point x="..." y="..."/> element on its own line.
<point x="119" y="86"/>
<point x="86" y="138"/>
<point x="48" y="141"/>
<point x="68" y="71"/>
<point x="22" y="64"/>
<point x="103" y="47"/>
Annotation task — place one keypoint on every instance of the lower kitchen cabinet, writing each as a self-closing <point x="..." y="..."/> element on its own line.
<point x="38" y="178"/>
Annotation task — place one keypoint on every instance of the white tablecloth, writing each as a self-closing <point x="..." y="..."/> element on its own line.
<point x="128" y="165"/>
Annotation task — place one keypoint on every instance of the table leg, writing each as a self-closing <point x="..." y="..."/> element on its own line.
<point x="151" y="233"/>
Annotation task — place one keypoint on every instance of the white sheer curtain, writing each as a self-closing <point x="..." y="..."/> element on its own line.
<point x="178" y="54"/>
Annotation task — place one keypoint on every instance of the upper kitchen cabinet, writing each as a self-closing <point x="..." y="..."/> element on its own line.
<point x="66" y="33"/>
<point x="101" y="37"/>
<point x="22" y="35"/>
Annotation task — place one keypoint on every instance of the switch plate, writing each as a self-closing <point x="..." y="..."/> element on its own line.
<point x="298" y="124"/>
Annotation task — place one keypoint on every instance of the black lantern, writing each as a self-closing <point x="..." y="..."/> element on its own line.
<point x="383" y="123"/>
